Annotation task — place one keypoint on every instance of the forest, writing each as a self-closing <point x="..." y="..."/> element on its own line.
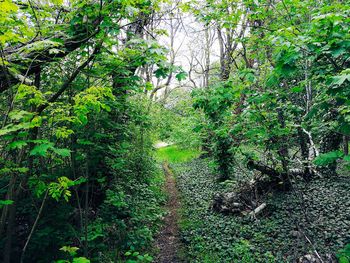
<point x="173" y="131"/>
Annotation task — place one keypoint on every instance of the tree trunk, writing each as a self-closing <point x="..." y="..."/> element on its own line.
<point x="304" y="149"/>
<point x="207" y="57"/>
<point x="33" y="133"/>
<point x="346" y="144"/>
<point x="283" y="151"/>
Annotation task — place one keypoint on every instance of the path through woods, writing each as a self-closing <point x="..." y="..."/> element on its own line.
<point x="168" y="239"/>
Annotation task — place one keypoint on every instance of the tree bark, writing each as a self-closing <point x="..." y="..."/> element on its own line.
<point x="283" y="151"/>
<point x="346" y="144"/>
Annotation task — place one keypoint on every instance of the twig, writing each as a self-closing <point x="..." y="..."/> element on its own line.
<point x="34" y="226"/>
<point x="315" y="251"/>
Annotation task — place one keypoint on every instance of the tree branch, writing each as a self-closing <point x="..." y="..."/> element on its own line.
<point x="66" y="84"/>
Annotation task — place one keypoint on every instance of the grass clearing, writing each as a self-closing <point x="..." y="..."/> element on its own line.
<point x="175" y="154"/>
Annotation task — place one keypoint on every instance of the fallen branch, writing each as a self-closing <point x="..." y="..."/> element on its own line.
<point x="313" y="246"/>
<point x="257" y="210"/>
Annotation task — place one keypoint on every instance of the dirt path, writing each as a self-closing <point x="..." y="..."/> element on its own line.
<point x="168" y="239"/>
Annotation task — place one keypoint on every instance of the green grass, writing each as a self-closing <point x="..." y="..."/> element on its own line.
<point x="174" y="154"/>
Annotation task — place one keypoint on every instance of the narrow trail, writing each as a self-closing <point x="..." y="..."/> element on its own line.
<point x="168" y="240"/>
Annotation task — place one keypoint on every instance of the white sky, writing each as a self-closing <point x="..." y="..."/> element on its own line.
<point x="190" y="38"/>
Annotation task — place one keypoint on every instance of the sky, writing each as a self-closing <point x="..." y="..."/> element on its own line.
<point x="189" y="42"/>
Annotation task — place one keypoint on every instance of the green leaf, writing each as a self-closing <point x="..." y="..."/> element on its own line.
<point x="345" y="128"/>
<point x="17" y="144"/>
<point x="181" y="76"/>
<point x="343" y="259"/>
<point x="272" y="80"/>
<point x="41" y="149"/>
<point x="62" y="152"/>
<point x="8" y="6"/>
<point x="5" y="202"/>
<point x="338" y="80"/>
<point x="347" y="158"/>
<point x="71" y="250"/>
<point x="161" y="73"/>
<point x="327" y="158"/>
<point x="84" y="142"/>
<point x="20" y="114"/>
<point x="297" y="89"/>
<point x="80" y="260"/>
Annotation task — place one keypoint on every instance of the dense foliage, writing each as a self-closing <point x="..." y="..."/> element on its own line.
<point x="76" y="152"/>
<point x="88" y="87"/>
<point x="286" y="90"/>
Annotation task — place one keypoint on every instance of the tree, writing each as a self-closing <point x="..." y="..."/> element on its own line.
<point x="68" y="74"/>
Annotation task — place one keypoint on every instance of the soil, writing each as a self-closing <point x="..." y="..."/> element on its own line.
<point x="168" y="241"/>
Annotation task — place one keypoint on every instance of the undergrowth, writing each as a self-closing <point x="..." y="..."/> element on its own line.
<point x="213" y="237"/>
<point x="130" y="216"/>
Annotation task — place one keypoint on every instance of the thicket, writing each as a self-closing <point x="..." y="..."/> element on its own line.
<point x="276" y="104"/>
<point x="281" y="94"/>
<point x="76" y="157"/>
